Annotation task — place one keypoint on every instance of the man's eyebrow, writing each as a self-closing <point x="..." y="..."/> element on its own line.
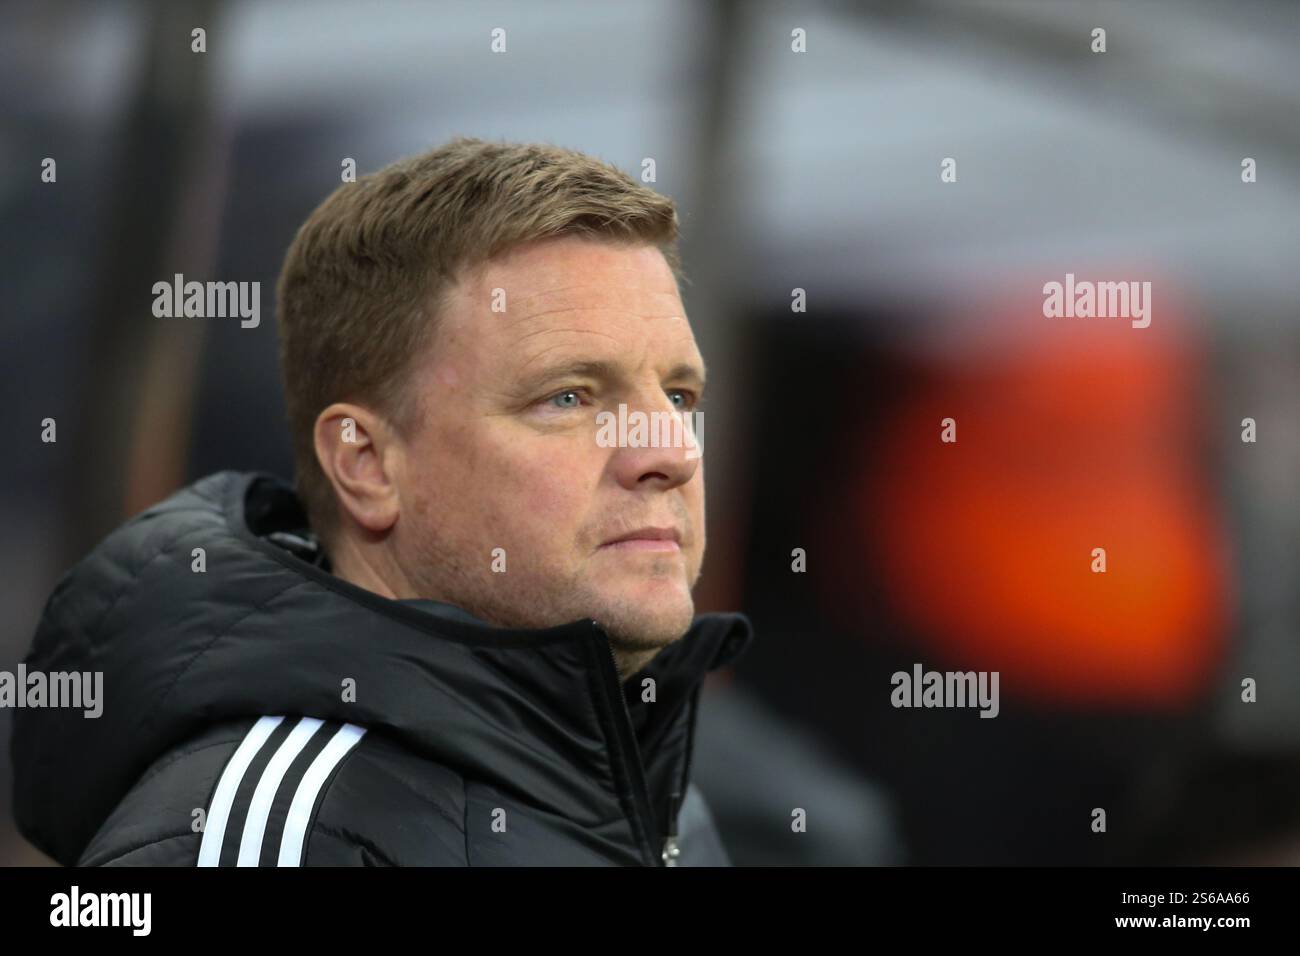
<point x="688" y="372"/>
<point x="579" y="369"/>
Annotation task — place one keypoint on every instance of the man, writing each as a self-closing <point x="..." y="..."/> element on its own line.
<point x="468" y="637"/>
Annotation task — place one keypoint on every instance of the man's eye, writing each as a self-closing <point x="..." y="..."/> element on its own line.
<point x="687" y="398"/>
<point x="562" y="399"/>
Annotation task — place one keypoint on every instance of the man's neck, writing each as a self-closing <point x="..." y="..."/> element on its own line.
<point x="630" y="662"/>
<point x="353" y="567"/>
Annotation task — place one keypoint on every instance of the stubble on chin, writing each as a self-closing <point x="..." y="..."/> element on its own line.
<point x="522" y="602"/>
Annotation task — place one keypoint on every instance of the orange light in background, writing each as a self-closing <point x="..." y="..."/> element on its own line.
<point x="1087" y="437"/>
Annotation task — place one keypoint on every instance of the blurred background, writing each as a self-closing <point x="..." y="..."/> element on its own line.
<point x="820" y="171"/>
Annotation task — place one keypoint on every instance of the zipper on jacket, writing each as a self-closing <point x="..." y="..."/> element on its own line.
<point x="636" y="771"/>
<point x="671" y="850"/>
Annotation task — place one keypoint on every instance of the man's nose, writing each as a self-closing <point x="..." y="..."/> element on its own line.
<point x="657" y="444"/>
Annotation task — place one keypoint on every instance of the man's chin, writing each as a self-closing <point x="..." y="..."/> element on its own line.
<point x="646" y="619"/>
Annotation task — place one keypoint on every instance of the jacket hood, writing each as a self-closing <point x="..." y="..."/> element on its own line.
<point x="261" y="631"/>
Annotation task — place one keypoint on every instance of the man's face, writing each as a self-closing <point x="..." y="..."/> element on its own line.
<point x="506" y="454"/>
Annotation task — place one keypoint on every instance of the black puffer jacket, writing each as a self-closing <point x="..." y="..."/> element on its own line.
<point x="265" y="711"/>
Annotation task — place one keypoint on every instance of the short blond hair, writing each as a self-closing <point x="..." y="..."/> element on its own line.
<point x="365" y="276"/>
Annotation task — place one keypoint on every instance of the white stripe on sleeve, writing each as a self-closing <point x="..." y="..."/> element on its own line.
<point x="214" y="828"/>
<point x="259" y="810"/>
<point x="295" y="827"/>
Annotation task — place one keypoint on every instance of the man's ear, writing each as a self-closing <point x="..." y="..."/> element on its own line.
<point x="357" y="451"/>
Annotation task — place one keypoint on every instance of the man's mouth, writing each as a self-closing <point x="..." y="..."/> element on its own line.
<point x="662" y="540"/>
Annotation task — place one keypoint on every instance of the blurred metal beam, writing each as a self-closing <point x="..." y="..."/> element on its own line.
<point x="163" y="135"/>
